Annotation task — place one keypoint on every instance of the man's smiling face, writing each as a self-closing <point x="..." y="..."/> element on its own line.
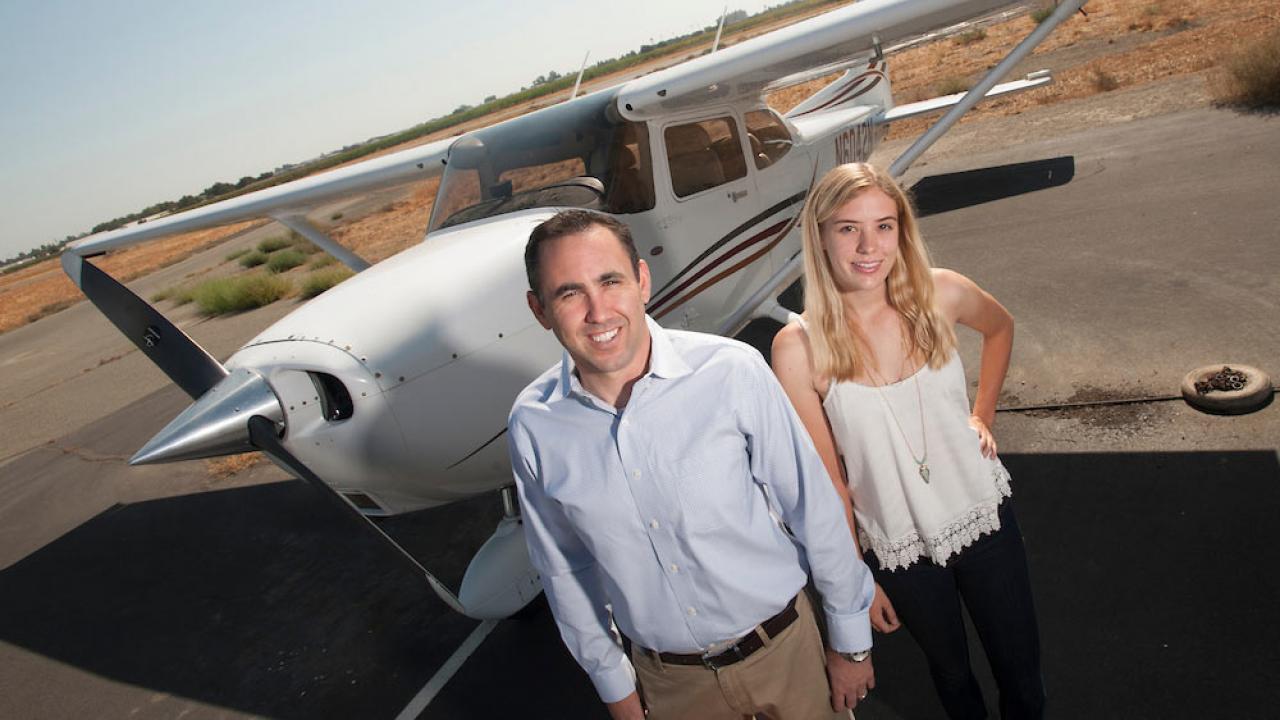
<point x="592" y="298"/>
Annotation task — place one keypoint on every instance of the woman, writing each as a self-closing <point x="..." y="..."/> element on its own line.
<point x="873" y="372"/>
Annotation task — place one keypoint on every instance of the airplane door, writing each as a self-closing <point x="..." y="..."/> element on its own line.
<point x="707" y="194"/>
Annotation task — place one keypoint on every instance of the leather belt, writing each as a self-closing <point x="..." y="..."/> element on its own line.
<point x="740" y="650"/>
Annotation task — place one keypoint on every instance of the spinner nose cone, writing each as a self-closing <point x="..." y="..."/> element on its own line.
<point x="217" y="423"/>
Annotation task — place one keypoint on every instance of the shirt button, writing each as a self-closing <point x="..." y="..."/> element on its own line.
<point x="635" y="473"/>
<point x="675" y="567"/>
<point x="693" y="611"/>
<point x="653" y="524"/>
<point x="625" y="422"/>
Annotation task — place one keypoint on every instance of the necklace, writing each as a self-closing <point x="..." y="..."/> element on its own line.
<point x="922" y="462"/>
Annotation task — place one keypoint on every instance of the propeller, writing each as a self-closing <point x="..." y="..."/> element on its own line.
<point x="218" y="422"/>
<point x="173" y="351"/>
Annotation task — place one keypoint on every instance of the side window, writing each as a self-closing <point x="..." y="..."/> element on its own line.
<point x="704" y="154"/>
<point x="769" y="137"/>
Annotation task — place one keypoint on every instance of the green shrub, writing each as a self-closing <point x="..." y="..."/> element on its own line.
<point x="253" y="259"/>
<point x="283" y="260"/>
<point x="1253" y="75"/>
<point x="273" y="244"/>
<point x="1039" y="15"/>
<point x="323" y="261"/>
<point x="336" y="216"/>
<point x="318" y="282"/>
<point x="220" y="296"/>
<point x="970" y="37"/>
<point x="237" y="254"/>
<point x="179" y="294"/>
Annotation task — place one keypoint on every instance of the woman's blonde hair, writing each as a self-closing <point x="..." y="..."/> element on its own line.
<point x="837" y="343"/>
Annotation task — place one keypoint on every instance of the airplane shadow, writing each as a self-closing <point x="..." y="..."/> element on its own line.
<point x="952" y="191"/>
<point x="259" y="599"/>
<point x="1153" y="574"/>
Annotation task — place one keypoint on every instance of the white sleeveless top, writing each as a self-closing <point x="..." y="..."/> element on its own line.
<point x="900" y="516"/>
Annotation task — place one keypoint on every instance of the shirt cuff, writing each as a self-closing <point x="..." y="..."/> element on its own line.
<point x="849" y="633"/>
<point x="615" y="683"/>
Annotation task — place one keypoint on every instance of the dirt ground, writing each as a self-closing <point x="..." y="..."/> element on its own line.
<point x="1120" y="44"/>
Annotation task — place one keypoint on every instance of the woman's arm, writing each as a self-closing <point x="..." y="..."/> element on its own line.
<point x="795" y="374"/>
<point x="967" y="304"/>
<point x="791" y="365"/>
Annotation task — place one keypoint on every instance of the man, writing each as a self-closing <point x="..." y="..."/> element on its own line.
<point x="647" y="462"/>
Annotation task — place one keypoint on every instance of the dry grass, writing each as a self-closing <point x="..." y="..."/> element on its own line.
<point x="1104" y="81"/>
<point x="1251" y="77"/>
<point x="225" y="467"/>
<point x="27" y="293"/>
<point x="385" y="233"/>
<point x="1130" y="42"/>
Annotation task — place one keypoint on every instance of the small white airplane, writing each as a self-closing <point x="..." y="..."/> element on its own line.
<point x="390" y="392"/>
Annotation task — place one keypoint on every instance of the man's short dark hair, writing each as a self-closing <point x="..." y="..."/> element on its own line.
<point x="569" y="222"/>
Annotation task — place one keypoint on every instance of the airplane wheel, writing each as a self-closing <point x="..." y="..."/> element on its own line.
<point x="1254" y="395"/>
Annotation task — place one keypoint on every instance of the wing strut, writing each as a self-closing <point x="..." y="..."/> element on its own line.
<point x="300" y="225"/>
<point x="988" y="81"/>
<point x="720" y="29"/>
<point x="581" y="71"/>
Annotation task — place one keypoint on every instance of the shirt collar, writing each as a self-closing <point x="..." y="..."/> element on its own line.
<point x="664" y="362"/>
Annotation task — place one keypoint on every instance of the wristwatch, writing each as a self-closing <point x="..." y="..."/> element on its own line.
<point x="856" y="657"/>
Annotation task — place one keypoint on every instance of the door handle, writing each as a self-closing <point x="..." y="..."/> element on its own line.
<point x="736" y="196"/>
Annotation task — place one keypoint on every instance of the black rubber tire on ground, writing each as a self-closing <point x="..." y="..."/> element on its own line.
<point x="1255" y="394"/>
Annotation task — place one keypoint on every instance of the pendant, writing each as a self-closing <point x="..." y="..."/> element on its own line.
<point x="924" y="472"/>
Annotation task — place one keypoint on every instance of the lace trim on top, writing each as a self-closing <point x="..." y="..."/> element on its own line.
<point x="954" y="536"/>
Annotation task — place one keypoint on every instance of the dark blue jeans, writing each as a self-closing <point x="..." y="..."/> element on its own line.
<point x="991" y="576"/>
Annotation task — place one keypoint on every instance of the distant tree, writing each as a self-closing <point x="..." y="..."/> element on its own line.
<point x="491" y="98"/>
<point x="244" y="181"/>
<point x="735" y="16"/>
<point x="218" y="188"/>
<point x="460" y="109"/>
<point x="553" y="76"/>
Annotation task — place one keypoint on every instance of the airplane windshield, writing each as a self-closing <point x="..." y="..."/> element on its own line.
<point x="579" y="154"/>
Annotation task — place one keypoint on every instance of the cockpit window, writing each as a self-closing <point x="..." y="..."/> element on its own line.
<point x="580" y="154"/>
<point x="769" y="137"/>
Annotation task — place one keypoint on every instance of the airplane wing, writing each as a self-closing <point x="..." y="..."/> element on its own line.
<point x="287" y="202"/>
<point x="808" y="49"/>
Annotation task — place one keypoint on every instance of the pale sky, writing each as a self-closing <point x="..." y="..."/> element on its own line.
<point x="109" y="107"/>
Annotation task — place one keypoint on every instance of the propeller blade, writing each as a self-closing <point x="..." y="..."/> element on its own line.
<point x="185" y="362"/>
<point x="264" y="436"/>
<point x="217" y="423"/>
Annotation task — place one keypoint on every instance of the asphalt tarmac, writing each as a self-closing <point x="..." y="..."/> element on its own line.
<point x="159" y="592"/>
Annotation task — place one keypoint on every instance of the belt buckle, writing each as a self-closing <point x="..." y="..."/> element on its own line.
<point x="710" y="662"/>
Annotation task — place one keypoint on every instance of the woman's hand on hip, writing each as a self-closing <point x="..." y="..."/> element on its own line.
<point x="986" y="440"/>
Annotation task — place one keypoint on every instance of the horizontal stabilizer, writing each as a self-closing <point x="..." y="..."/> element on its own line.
<point x="902" y="112"/>
<point x="952" y="191"/>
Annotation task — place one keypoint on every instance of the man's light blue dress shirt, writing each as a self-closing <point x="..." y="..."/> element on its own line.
<point x="658" y="509"/>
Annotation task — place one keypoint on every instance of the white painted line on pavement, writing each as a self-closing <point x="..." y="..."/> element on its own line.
<point x="446" y="671"/>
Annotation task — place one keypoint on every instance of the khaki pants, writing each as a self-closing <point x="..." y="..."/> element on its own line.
<point x="784" y="680"/>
